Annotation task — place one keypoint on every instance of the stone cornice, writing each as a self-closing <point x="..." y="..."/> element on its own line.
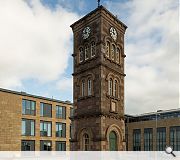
<point x="100" y="8"/>
<point x="97" y="65"/>
<point x="100" y="114"/>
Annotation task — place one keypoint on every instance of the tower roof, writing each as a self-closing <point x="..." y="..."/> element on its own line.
<point x="100" y="8"/>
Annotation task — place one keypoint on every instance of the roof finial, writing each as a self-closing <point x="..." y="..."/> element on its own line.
<point x="98" y="2"/>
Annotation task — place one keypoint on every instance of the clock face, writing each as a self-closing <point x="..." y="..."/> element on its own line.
<point x="113" y="33"/>
<point x="86" y="32"/>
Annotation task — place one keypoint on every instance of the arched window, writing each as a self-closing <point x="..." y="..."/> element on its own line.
<point x="86" y="52"/>
<point x="83" y="88"/>
<point x="81" y="56"/>
<point x="89" y="87"/>
<point x="110" y="86"/>
<point x="86" y="142"/>
<point x="107" y="48"/>
<point x="115" y="89"/>
<point x="113" y="50"/>
<point x="112" y="141"/>
<point x="118" y="55"/>
<point x="93" y="49"/>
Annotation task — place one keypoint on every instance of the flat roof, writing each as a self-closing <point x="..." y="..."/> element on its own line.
<point x="154" y="113"/>
<point x="35" y="96"/>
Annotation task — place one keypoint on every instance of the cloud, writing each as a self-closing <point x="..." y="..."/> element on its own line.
<point x="152" y="49"/>
<point x="65" y="84"/>
<point x="35" y="42"/>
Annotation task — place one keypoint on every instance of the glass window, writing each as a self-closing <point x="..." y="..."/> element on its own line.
<point x="28" y="107"/>
<point x="110" y="87"/>
<point x="45" y="145"/>
<point x="83" y="88"/>
<point x="45" y="110"/>
<point x="161" y="139"/>
<point x="175" y="137"/>
<point x="71" y="112"/>
<point x="86" y="142"/>
<point x="148" y="139"/>
<point x="112" y="141"/>
<point x="27" y="145"/>
<point x="70" y="131"/>
<point x="115" y="89"/>
<point x="89" y="87"/>
<point x="28" y="127"/>
<point x="136" y="140"/>
<point x="81" y="56"/>
<point x="45" y="129"/>
<point x="93" y="49"/>
<point x="118" y="55"/>
<point x="86" y="52"/>
<point x="61" y="130"/>
<point x="113" y="51"/>
<point x="61" y="112"/>
<point x="107" y="48"/>
<point x="60" y="146"/>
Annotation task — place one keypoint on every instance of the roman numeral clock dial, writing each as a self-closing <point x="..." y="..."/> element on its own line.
<point x="113" y="33"/>
<point x="86" y="32"/>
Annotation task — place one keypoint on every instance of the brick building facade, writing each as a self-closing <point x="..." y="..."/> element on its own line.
<point x="29" y="122"/>
<point x="153" y="131"/>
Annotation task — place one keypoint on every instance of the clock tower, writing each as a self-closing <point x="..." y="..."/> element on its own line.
<point x="98" y="82"/>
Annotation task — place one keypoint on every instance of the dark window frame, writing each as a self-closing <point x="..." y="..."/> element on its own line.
<point x="61" y="133"/>
<point x="71" y="112"/>
<point x="26" y="141"/>
<point x="137" y="140"/>
<point x="44" y="110"/>
<point x="42" y="142"/>
<point x="62" y="143"/>
<point x="44" y="133"/>
<point x="160" y="138"/>
<point x="30" y="111"/>
<point x="148" y="139"/>
<point x="27" y="133"/>
<point x="60" y="115"/>
<point x="174" y="137"/>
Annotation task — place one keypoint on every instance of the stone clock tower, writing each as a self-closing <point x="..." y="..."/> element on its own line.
<point x="98" y="82"/>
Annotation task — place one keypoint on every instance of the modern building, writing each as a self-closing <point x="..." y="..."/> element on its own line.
<point x="153" y="131"/>
<point x="98" y="82"/>
<point x="29" y="122"/>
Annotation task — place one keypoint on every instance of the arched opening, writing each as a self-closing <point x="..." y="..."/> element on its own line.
<point x="110" y="87"/>
<point x="93" y="49"/>
<point x="81" y="56"/>
<point x="86" y="142"/>
<point x="89" y="87"/>
<point x="86" y="52"/>
<point x="107" y="48"/>
<point x="112" y="141"/>
<point x="118" y="55"/>
<point x="113" y="52"/>
<point x="83" y="88"/>
<point x="115" y="89"/>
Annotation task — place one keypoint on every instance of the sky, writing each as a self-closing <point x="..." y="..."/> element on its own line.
<point x="36" y="45"/>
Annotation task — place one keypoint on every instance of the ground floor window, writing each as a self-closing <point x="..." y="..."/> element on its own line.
<point x="27" y="145"/>
<point x="136" y="140"/>
<point x="175" y="138"/>
<point x="161" y="139"/>
<point x="148" y="139"/>
<point x="45" y="145"/>
<point x="60" y="146"/>
<point x="112" y="141"/>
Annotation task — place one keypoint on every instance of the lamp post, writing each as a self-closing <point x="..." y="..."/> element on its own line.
<point x="157" y="124"/>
